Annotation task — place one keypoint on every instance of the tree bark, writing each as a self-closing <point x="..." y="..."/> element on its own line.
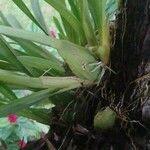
<point x="131" y="59"/>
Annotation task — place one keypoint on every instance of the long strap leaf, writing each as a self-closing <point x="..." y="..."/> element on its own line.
<point x="74" y="22"/>
<point x="7" y="52"/>
<point x="38" y="14"/>
<point x="7" y="66"/>
<point x="77" y="57"/>
<point x="25" y="9"/>
<point x="30" y="48"/>
<point x="25" y="102"/>
<point x="37" y="114"/>
<point x="7" y="92"/>
<point x="43" y="64"/>
<point x="87" y="23"/>
<point x="65" y="13"/>
<point x="41" y="82"/>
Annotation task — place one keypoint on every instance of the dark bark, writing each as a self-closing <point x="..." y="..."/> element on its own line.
<point x="131" y="58"/>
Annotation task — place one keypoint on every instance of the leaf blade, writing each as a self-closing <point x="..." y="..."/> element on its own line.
<point x="79" y="59"/>
<point x="22" y="6"/>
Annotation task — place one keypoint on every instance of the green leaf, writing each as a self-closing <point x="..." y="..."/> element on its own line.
<point x="29" y="47"/>
<point x="78" y="58"/>
<point x="7" y="66"/>
<point x="40" y="115"/>
<point x="25" y="10"/>
<point x="87" y="24"/>
<point x="12" y="21"/>
<point x="25" y="102"/>
<point x="41" y="82"/>
<point x="43" y="64"/>
<point x="74" y="22"/>
<point x="38" y="14"/>
<point x="3" y="101"/>
<point x="74" y="8"/>
<point x="98" y="10"/>
<point x="9" y="54"/>
<point x="7" y="92"/>
<point x="68" y="16"/>
<point x="70" y="32"/>
<point x="4" y="122"/>
<point x="27" y="129"/>
<point x="58" y="25"/>
<point x="5" y="21"/>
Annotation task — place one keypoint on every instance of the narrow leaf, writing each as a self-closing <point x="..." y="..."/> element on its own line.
<point x="42" y="64"/>
<point x="25" y="102"/>
<point x="77" y="57"/>
<point x="7" y="92"/>
<point x="41" y="82"/>
<point x="38" y="14"/>
<point x="9" y="54"/>
<point x="25" y="10"/>
<point x="40" y="115"/>
<point x="87" y="24"/>
<point x="65" y="13"/>
<point x="30" y="47"/>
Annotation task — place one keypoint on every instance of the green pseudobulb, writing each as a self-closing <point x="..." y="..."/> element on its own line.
<point x="104" y="119"/>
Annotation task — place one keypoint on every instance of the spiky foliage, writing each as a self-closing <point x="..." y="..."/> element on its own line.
<point x="83" y="44"/>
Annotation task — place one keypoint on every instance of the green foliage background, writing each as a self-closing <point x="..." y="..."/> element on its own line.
<point x="8" y="7"/>
<point x="87" y="38"/>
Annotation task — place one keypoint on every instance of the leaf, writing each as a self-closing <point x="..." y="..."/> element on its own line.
<point x="26" y="11"/>
<point x="4" y="122"/>
<point x="29" y="47"/>
<point x="3" y="18"/>
<point x="74" y="22"/>
<point x="74" y="8"/>
<point x="104" y="53"/>
<point x="9" y="54"/>
<point x="78" y="58"/>
<point x="7" y="66"/>
<point x="41" y="82"/>
<point x="38" y="14"/>
<point x="68" y="16"/>
<point x="12" y="21"/>
<point x="43" y="64"/>
<point x="87" y="24"/>
<point x="72" y="36"/>
<point x="98" y="10"/>
<point x="7" y="92"/>
<point x="25" y="102"/>
<point x="58" y="25"/>
<point x="40" y="115"/>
